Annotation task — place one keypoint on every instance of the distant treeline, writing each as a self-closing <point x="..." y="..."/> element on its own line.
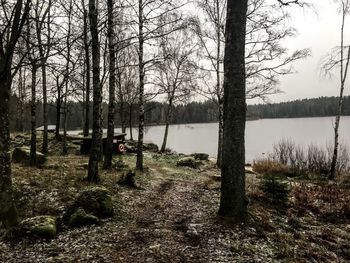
<point x="194" y="112"/>
<point x="316" y="107"/>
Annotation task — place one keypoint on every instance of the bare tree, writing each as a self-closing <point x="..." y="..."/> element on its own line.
<point x="176" y="74"/>
<point x="149" y="12"/>
<point x="339" y="57"/>
<point x="43" y="21"/>
<point x="266" y="58"/>
<point x="12" y="17"/>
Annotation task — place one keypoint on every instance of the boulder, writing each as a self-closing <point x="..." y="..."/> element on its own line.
<point x="150" y="147"/>
<point x="129" y="148"/>
<point x="201" y="156"/>
<point x="22" y="155"/>
<point x="38" y="227"/>
<point x="81" y="218"/>
<point x="188" y="162"/>
<point x="96" y="201"/>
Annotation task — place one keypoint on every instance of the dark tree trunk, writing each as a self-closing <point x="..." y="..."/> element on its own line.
<point x="95" y="154"/>
<point x="65" y="121"/>
<point x="87" y="70"/>
<point x="233" y="202"/>
<point x="8" y="212"/>
<point x="45" y="113"/>
<point x="221" y="131"/>
<point x="130" y="122"/>
<point x="58" y="111"/>
<point x="139" y="158"/>
<point x="112" y="81"/>
<point x="33" y="118"/>
<point x="167" y="123"/>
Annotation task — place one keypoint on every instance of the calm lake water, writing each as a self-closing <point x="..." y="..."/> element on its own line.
<point x="260" y="135"/>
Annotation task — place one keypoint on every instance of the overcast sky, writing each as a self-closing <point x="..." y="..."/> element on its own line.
<point x="320" y="32"/>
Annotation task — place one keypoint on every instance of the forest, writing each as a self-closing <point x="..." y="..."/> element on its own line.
<point x="192" y="112"/>
<point x="98" y="196"/>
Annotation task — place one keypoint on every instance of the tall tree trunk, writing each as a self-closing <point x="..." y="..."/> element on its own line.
<point x="65" y="121"/>
<point x="167" y="122"/>
<point x="95" y="154"/>
<point x="112" y="82"/>
<point x="130" y="122"/>
<point x="87" y="70"/>
<point x="233" y="202"/>
<point x="221" y="133"/>
<point x="218" y="84"/>
<point x="21" y="93"/>
<point x="139" y="158"/>
<point x="33" y="118"/>
<point x="45" y="113"/>
<point x="58" y="111"/>
<point x="344" y="65"/>
<point x="8" y="212"/>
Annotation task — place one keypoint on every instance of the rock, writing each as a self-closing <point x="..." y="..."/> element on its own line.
<point x="22" y="155"/>
<point x="150" y="147"/>
<point x="96" y="201"/>
<point x="129" y="148"/>
<point x="201" y="156"/>
<point x="81" y="218"/>
<point x="188" y="162"/>
<point x="39" y="226"/>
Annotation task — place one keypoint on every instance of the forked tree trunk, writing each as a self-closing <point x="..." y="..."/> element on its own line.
<point x="139" y="158"/>
<point x="95" y="153"/>
<point x="33" y="118"/>
<point x="112" y="81"/>
<point x="233" y="202"/>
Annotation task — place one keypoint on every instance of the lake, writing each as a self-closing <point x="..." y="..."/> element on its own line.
<point x="260" y="135"/>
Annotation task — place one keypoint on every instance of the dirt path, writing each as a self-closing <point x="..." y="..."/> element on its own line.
<point x="165" y="227"/>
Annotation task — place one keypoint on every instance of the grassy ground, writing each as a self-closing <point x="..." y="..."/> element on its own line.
<point x="173" y="218"/>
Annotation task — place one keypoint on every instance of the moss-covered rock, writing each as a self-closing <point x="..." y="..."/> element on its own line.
<point x="188" y="162"/>
<point x="22" y="155"/>
<point x="39" y="226"/>
<point x="131" y="147"/>
<point x="201" y="156"/>
<point x="96" y="201"/>
<point x="81" y="218"/>
<point x="150" y="147"/>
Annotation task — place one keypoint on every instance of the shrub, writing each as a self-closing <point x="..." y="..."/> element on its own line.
<point x="275" y="189"/>
<point x="271" y="167"/>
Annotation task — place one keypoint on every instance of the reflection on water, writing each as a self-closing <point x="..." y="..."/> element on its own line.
<point x="260" y="135"/>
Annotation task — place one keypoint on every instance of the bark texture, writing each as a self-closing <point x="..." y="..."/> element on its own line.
<point x="112" y="82"/>
<point x="233" y="202"/>
<point x="95" y="154"/>
<point x="87" y="72"/>
<point x="8" y="212"/>
<point x="139" y="158"/>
